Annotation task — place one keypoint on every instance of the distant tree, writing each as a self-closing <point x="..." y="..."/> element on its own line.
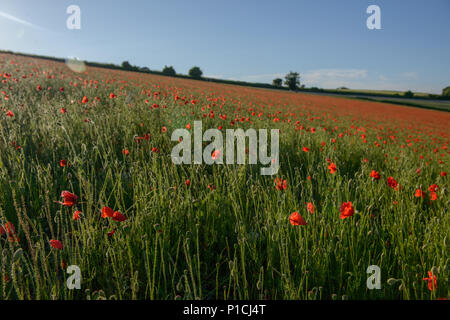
<point x="144" y="69"/>
<point x="169" y="71"/>
<point x="292" y="80"/>
<point x="126" y="65"/>
<point x="408" y="94"/>
<point x="446" y="92"/>
<point x="195" y="72"/>
<point x="277" y="82"/>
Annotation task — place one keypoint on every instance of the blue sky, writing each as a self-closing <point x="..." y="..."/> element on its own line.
<point x="327" y="42"/>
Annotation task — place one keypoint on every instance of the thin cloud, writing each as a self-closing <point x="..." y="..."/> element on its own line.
<point x="20" y="21"/>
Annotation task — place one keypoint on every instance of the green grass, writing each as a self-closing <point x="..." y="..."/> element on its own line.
<point x="196" y="242"/>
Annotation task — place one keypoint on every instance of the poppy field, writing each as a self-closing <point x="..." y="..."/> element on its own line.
<point x="87" y="180"/>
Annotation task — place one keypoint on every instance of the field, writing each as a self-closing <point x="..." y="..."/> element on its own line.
<point x="86" y="179"/>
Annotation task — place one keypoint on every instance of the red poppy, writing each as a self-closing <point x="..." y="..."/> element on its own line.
<point x="305" y="149"/>
<point x="76" y="215"/>
<point x="392" y="183"/>
<point x="63" y="162"/>
<point x="296" y="219"/>
<point x="10" y="114"/>
<point x="419" y="193"/>
<point x="112" y="95"/>
<point x="56" y="244"/>
<point x="375" y="175"/>
<point x="280" y="184"/>
<point x="443" y="173"/>
<point x="70" y="199"/>
<point x="163" y="129"/>
<point x="107" y="212"/>
<point x="126" y="151"/>
<point x="10" y="231"/>
<point x="310" y="207"/>
<point x="85" y="100"/>
<point x="332" y="167"/>
<point x="188" y="182"/>
<point x="346" y="210"/>
<point x="63" y="110"/>
<point x="433" y="196"/>
<point x="433" y="188"/>
<point x="215" y="154"/>
<point x="111" y="233"/>
<point x="117" y="216"/>
<point x="432" y="281"/>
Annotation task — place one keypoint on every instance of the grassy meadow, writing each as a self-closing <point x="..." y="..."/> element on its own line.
<point x="214" y="231"/>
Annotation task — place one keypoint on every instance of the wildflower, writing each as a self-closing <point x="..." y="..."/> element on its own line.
<point x="432" y="281"/>
<point x="126" y="151"/>
<point x="296" y="219"/>
<point x="70" y="199"/>
<point x="112" y="95"/>
<point x="56" y="244"/>
<point x="346" y="210"/>
<point x="280" y="184"/>
<point x="310" y="207"/>
<point x="305" y="149"/>
<point x="188" y="182"/>
<point x="107" y="212"/>
<point x="375" y="175"/>
<point x="10" y="114"/>
<point x="215" y="154"/>
<point x="443" y="173"/>
<point x="419" y="193"/>
<point x="332" y="167"/>
<point x="392" y="183"/>
<point x="117" y="216"/>
<point x="85" y="100"/>
<point x="76" y="215"/>
<point x="63" y="162"/>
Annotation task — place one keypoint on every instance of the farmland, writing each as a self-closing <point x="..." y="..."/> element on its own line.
<point x="87" y="179"/>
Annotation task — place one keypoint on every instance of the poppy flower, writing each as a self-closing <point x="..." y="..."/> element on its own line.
<point x="375" y="175"/>
<point x="443" y="173"/>
<point x="188" y="182"/>
<point x="112" y="95"/>
<point x="433" y="196"/>
<point x="56" y="244"/>
<point x="392" y="183"/>
<point x="126" y="151"/>
<point x="305" y="149"/>
<point x="433" y="188"/>
<point x="107" y="212"/>
<point x="117" y="216"/>
<point x="332" y="167"/>
<point x="63" y="110"/>
<point x="432" y="281"/>
<point x="63" y="162"/>
<point x="310" y="207"/>
<point x="280" y="184"/>
<point x="111" y="233"/>
<point x="346" y="210"/>
<point x="215" y="154"/>
<point x="163" y="129"/>
<point x="10" y="114"/>
<point x="76" y="215"/>
<point x="296" y="219"/>
<point x="188" y="126"/>
<point x="85" y="100"/>
<point x="70" y="199"/>
<point x="419" y="193"/>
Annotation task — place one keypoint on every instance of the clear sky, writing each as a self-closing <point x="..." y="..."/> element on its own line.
<point x="327" y="42"/>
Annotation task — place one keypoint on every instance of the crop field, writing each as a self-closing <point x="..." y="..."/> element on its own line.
<point x="87" y="180"/>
